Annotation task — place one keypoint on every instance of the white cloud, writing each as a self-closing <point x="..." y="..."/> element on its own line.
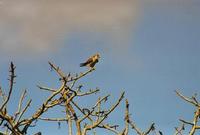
<point x="40" y="25"/>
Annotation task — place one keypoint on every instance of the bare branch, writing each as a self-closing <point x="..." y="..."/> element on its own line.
<point x="11" y="80"/>
<point x="24" y="110"/>
<point x="179" y="130"/>
<point x="88" y="92"/>
<point x="126" y="118"/>
<point x="186" y="122"/>
<point x="151" y="128"/>
<point x="2" y="94"/>
<point x="110" y="128"/>
<point x="20" y="103"/>
<point x="194" y="123"/>
<point x="54" y="119"/>
<point x="192" y="101"/>
<point x="81" y="75"/>
<point x="46" y="88"/>
<point x="57" y="69"/>
<point x="95" y="124"/>
<point x="133" y="126"/>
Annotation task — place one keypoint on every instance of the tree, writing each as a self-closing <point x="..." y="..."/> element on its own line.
<point x="83" y="118"/>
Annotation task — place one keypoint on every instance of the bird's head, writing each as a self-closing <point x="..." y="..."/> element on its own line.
<point x="97" y="55"/>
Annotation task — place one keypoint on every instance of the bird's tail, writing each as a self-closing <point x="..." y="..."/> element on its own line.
<point x="83" y="64"/>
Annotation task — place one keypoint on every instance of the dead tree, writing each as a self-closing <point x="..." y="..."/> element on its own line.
<point x="84" y="119"/>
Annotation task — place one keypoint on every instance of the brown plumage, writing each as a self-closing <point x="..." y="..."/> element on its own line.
<point x="91" y="61"/>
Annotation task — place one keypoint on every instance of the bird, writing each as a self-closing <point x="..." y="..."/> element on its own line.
<point x="91" y="61"/>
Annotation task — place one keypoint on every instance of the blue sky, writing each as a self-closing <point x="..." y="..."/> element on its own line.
<point x="148" y="48"/>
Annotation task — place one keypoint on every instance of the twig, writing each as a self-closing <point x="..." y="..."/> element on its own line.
<point x="179" y="129"/>
<point x="151" y="128"/>
<point x="133" y="125"/>
<point x="53" y="119"/>
<point x="81" y="75"/>
<point x="24" y="110"/>
<point x="20" y="103"/>
<point x="95" y="124"/>
<point x="46" y="88"/>
<point x="192" y="101"/>
<point x="126" y="118"/>
<point x="88" y="92"/>
<point x="57" y="69"/>
<point x="110" y="128"/>
<point x="186" y="122"/>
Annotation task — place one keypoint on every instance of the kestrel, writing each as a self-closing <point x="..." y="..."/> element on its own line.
<point x="91" y="61"/>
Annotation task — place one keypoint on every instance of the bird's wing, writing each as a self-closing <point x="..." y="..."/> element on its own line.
<point x="89" y="60"/>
